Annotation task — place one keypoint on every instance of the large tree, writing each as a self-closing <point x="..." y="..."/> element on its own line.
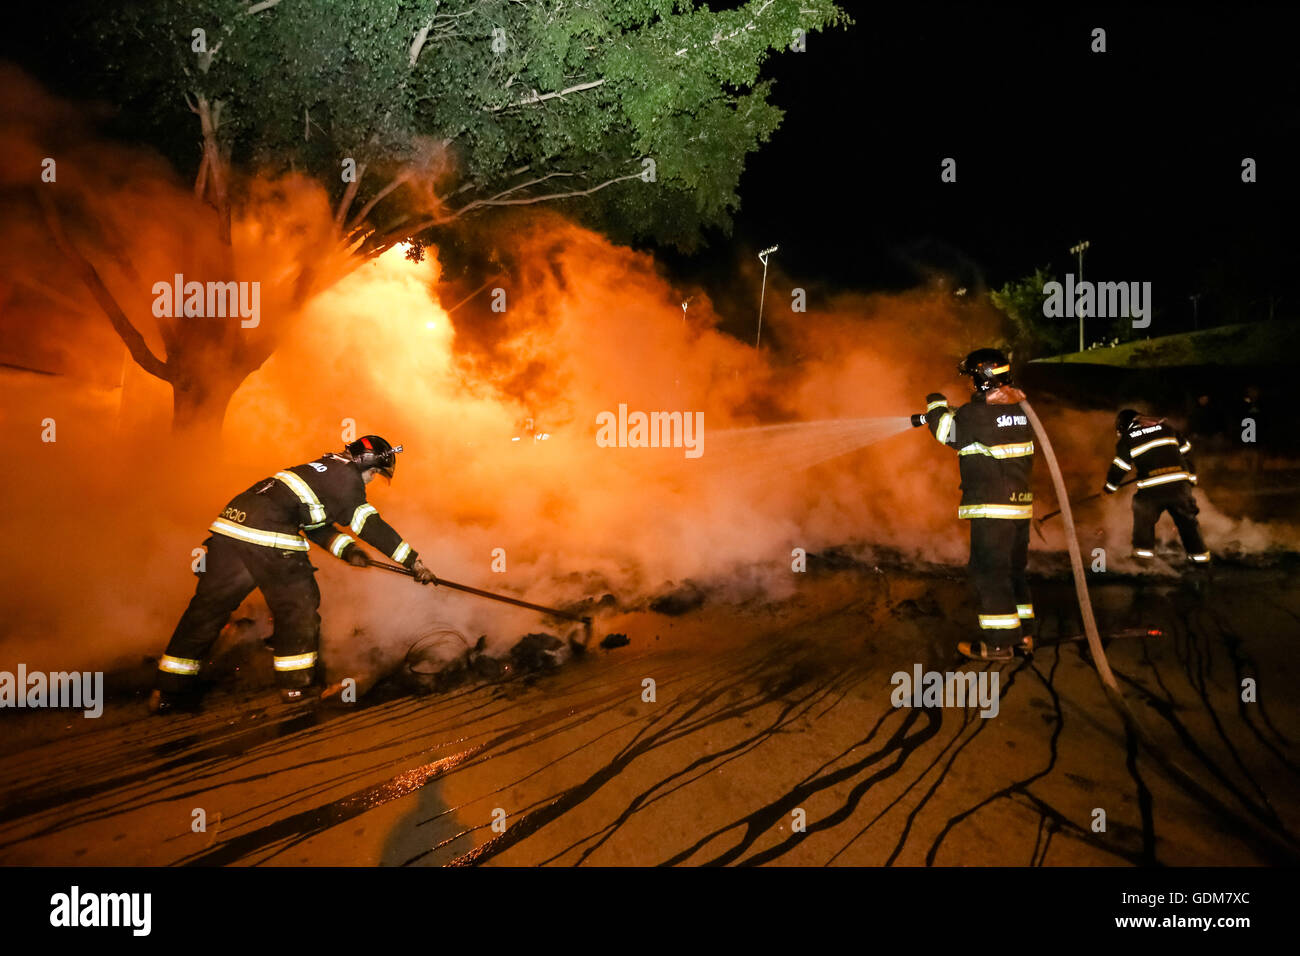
<point x="636" y="115"/>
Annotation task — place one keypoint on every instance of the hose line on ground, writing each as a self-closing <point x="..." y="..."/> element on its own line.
<point x="1271" y="835"/>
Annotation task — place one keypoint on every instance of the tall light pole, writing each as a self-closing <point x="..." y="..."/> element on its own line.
<point x="1079" y="250"/>
<point x="762" y="257"/>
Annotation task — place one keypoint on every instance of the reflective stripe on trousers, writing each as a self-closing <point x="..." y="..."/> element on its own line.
<point x="296" y="662"/>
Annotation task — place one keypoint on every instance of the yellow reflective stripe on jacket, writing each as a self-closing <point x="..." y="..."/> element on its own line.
<point x="1140" y="449"/>
<point x="999" y="622"/>
<point x="178" y="665"/>
<point x="1185" y="447"/>
<point x="295" y="662"/>
<point x="401" y="551"/>
<point x="995" y="511"/>
<point x="359" y="517"/>
<point x="1164" y="479"/>
<point x="1122" y="463"/>
<point x="1203" y="556"/>
<point x="315" y="510"/>
<point x="1022" y="450"/>
<point x="933" y="405"/>
<point x="1025" y="611"/>
<point x="340" y="542"/>
<point x="945" y="427"/>
<point x="268" y="539"/>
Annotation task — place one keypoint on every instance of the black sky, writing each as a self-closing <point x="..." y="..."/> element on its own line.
<point x="1137" y="149"/>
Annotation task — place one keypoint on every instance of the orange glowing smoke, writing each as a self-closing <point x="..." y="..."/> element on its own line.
<point x="103" y="522"/>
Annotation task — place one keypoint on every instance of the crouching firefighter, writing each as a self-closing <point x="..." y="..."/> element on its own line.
<point x="1165" y="475"/>
<point x="995" y="445"/>
<point x="261" y="541"/>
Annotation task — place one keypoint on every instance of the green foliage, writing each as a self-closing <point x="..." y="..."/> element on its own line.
<point x="305" y="84"/>
<point x="1021" y="301"/>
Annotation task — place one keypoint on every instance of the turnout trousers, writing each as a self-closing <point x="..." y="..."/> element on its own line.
<point x="1176" y="498"/>
<point x="999" y="551"/>
<point x="232" y="570"/>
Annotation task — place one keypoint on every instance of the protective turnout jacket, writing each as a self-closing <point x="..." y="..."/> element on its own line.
<point x="995" y="443"/>
<point x="303" y="502"/>
<point x="1159" y="454"/>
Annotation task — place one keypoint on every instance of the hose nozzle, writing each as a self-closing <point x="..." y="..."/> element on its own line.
<point x="918" y="420"/>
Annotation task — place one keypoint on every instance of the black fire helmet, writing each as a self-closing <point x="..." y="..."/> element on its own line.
<point x="988" y="367"/>
<point x="371" y="451"/>
<point x="1124" y="419"/>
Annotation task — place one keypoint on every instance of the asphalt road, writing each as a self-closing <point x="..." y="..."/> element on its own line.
<point x="765" y="716"/>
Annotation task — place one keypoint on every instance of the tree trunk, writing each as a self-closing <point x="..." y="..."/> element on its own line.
<point x="199" y="404"/>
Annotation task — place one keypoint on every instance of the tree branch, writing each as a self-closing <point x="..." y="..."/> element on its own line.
<point x="209" y="122"/>
<point x="401" y="232"/>
<point x="542" y="97"/>
<point x="128" y="333"/>
<point x="201" y="180"/>
<point x="495" y="201"/>
<point x="418" y="43"/>
<point x="349" y="194"/>
<point x="360" y="217"/>
<point x="718" y="37"/>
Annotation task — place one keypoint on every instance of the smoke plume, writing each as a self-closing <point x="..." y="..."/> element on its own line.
<point x="105" y="518"/>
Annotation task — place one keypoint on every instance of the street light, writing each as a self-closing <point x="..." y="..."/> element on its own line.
<point x="1079" y="250"/>
<point x="762" y="257"/>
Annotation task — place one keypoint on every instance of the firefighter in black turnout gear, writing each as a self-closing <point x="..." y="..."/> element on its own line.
<point x="995" y="445"/>
<point x="1166" y="473"/>
<point x="261" y="541"/>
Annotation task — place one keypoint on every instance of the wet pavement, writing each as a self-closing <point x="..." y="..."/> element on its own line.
<point x="771" y="738"/>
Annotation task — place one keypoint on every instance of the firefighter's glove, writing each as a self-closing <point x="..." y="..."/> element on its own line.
<point x="356" y="557"/>
<point x="422" y="574"/>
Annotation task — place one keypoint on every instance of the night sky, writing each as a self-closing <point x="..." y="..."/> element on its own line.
<point x="1137" y="149"/>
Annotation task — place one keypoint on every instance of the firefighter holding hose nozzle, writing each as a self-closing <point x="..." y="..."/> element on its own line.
<point x="995" y="445"/>
<point x="261" y="541"/>
<point x="1166" y="472"/>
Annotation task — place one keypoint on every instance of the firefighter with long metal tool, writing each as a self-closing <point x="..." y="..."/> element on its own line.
<point x="995" y="445"/>
<point x="1166" y="473"/>
<point x="261" y="541"/>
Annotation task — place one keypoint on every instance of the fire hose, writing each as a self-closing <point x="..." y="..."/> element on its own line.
<point x="1113" y="694"/>
<point x="491" y="596"/>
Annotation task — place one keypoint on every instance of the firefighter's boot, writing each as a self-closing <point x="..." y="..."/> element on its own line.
<point x="298" y="695"/>
<point x="980" y="651"/>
